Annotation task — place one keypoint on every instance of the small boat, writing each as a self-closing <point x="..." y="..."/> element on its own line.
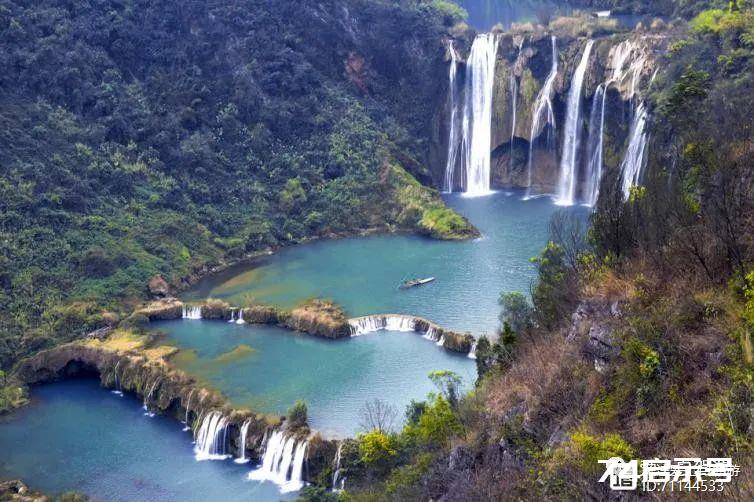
<point x="415" y="282"/>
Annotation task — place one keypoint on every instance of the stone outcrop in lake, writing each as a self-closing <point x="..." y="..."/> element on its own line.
<point x="319" y="318"/>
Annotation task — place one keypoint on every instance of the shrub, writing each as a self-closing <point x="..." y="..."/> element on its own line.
<point x="516" y="311"/>
<point x="376" y="448"/>
<point x="298" y="415"/>
<point x="587" y="450"/>
<point x="437" y="425"/>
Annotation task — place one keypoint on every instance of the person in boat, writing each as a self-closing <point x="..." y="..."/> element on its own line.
<point x="416" y="282"/>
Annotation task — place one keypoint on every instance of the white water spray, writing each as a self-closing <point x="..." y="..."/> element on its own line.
<point x="211" y="437"/>
<point x="543" y="114"/>
<point x="633" y="163"/>
<point x="453" y="134"/>
<point x="572" y="133"/>
<point x="148" y="397"/>
<point x="477" y="114"/>
<point x="595" y="145"/>
<point x="282" y="462"/>
<point x="242" y="442"/>
<point x="117" y="390"/>
<point x="336" y="470"/>
<point x="188" y="408"/>
<point x="192" y="312"/>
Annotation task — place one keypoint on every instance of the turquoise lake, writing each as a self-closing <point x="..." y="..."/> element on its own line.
<point x="77" y="436"/>
<point x="362" y="274"/>
<point x="269" y="368"/>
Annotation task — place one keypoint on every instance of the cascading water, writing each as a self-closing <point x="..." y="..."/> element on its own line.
<point x="431" y="334"/>
<point x="117" y="390"/>
<point x="336" y="470"/>
<point x="190" y="312"/>
<point x="441" y="341"/>
<point x="371" y="324"/>
<point x="453" y="134"/>
<point x="232" y="316"/>
<point x="543" y="110"/>
<point x="477" y="113"/>
<point x="594" y="147"/>
<point x="211" y="437"/>
<point x="242" y="442"/>
<point x="239" y="319"/>
<point x="572" y="133"/>
<point x="514" y="108"/>
<point x="148" y="397"/>
<point x="283" y="462"/>
<point x="627" y="59"/>
<point x="472" y="352"/>
<point x="188" y="409"/>
<point x="633" y="163"/>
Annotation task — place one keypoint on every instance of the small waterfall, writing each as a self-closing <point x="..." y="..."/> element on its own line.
<point x="441" y="341"/>
<point x="239" y="319"/>
<point x="477" y="113"/>
<point x="453" y="134"/>
<point x="283" y="462"/>
<point x="370" y="324"/>
<point x="627" y="59"/>
<point x="242" y="442"/>
<point x="472" y="351"/>
<point x="211" y="437"/>
<point x="431" y="334"/>
<point x="543" y="110"/>
<point x="336" y="470"/>
<point x="568" y="163"/>
<point x="190" y="312"/>
<point x="595" y="145"/>
<point x="233" y="317"/>
<point x="514" y="94"/>
<point x="633" y="163"/>
<point x="148" y="397"/>
<point x="188" y="408"/>
<point x="117" y="390"/>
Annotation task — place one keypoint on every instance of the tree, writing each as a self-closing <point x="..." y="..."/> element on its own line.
<point x="449" y="383"/>
<point x="378" y="415"/>
<point x="516" y="311"/>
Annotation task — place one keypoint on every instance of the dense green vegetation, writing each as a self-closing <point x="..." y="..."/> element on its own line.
<point x="638" y="343"/>
<point x="142" y="138"/>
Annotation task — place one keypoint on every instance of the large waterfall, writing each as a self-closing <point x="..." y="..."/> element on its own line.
<point x="543" y="110"/>
<point x="572" y="133"/>
<point x="453" y="135"/>
<point x="211" y="437"/>
<point x="477" y="113"/>
<point x="595" y="145"/>
<point x="283" y="462"/>
<point x="633" y="162"/>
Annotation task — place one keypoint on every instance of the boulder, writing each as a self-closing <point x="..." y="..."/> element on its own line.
<point x="158" y="287"/>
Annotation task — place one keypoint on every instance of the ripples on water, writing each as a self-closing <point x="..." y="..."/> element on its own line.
<point x="362" y="274"/>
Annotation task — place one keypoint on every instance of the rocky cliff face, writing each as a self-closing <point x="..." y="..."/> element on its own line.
<point x="625" y="62"/>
